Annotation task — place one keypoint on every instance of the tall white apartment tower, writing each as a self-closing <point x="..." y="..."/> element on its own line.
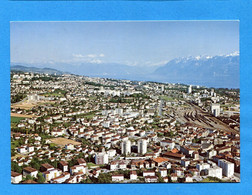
<point x="215" y="109"/>
<point x="189" y="89"/>
<point x="227" y="167"/>
<point x="212" y="92"/>
<point x="101" y="158"/>
<point x="126" y="147"/>
<point x="142" y="146"/>
<point x="162" y="88"/>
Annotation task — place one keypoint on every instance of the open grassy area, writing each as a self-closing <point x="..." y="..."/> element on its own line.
<point x="92" y="97"/>
<point x="53" y="94"/>
<point x="53" y="145"/>
<point x="166" y="98"/>
<point x="14" y="144"/>
<point x="88" y="115"/>
<point x="90" y="164"/>
<point x="214" y="179"/>
<point x="15" y="119"/>
<point x="207" y="180"/>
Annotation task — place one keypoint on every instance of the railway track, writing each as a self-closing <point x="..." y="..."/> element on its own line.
<point x="208" y="119"/>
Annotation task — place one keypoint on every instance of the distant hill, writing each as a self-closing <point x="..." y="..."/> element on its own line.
<point x="36" y="70"/>
<point x="108" y="70"/>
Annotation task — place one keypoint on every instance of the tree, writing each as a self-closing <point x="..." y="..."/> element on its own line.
<point x="139" y="172"/>
<point x="89" y="158"/>
<point x="160" y="179"/>
<point x="88" y="180"/>
<point x="35" y="165"/>
<point x="41" y="179"/>
<point x="28" y="177"/>
<point x="54" y="164"/>
<point x="104" y="178"/>
<point x="72" y="162"/>
<point x="15" y="167"/>
<point x="86" y="142"/>
<point x="13" y="152"/>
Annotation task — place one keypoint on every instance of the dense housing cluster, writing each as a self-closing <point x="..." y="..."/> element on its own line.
<point x="76" y="129"/>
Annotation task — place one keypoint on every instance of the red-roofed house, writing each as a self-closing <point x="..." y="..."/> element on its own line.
<point x="30" y="171"/>
<point x="118" y="177"/>
<point x="148" y="173"/>
<point x="63" y="165"/>
<point x="15" y="177"/>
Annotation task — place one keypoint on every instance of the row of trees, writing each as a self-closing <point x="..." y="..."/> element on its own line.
<point x="18" y="97"/>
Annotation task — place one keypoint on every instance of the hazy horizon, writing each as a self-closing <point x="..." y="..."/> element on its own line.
<point x="145" y="46"/>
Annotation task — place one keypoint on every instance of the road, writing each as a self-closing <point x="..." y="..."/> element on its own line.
<point x="117" y="157"/>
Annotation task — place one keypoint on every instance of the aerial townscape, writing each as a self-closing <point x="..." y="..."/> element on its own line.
<point x="67" y="128"/>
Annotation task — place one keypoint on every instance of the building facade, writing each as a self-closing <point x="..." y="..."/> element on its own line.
<point x="142" y="146"/>
<point x="126" y="147"/>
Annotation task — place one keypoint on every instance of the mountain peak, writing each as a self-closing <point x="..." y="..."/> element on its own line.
<point x="220" y="71"/>
<point x="236" y="53"/>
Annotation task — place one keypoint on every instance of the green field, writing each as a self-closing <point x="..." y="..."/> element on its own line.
<point x="88" y="115"/>
<point x="15" y="119"/>
<point x="166" y="98"/>
<point x="90" y="164"/>
<point x="92" y="97"/>
<point x="214" y="179"/>
<point x="15" y="144"/>
<point x="53" y="95"/>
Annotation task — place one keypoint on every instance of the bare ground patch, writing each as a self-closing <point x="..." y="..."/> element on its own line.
<point x="22" y="115"/>
<point x="27" y="105"/>
<point x="24" y="105"/>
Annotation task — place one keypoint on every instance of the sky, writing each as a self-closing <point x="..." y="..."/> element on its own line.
<point x="142" y="43"/>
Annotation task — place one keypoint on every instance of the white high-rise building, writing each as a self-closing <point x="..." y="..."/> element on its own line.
<point x="227" y="167"/>
<point x="189" y="89"/>
<point x="126" y="147"/>
<point x="101" y="158"/>
<point x="215" y="172"/>
<point x="119" y="111"/>
<point x="215" y="109"/>
<point x="162" y="88"/>
<point x="142" y="146"/>
<point x="212" y="92"/>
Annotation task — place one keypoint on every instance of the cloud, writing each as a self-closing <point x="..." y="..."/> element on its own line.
<point x="89" y="58"/>
<point x="91" y="55"/>
<point x="129" y="63"/>
<point x="88" y="55"/>
<point x="145" y="63"/>
<point x="95" y="61"/>
<point x="160" y="63"/>
<point x="78" y="56"/>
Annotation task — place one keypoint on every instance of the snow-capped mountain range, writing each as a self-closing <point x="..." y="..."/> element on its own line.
<point x="220" y="70"/>
<point x="211" y="71"/>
